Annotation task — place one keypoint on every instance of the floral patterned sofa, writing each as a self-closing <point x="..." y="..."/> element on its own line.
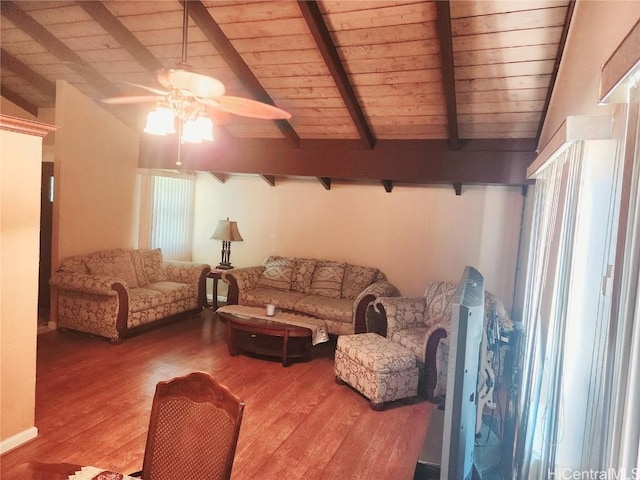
<point x="116" y="293"/>
<point x="337" y="292"/>
<point x="422" y="324"/>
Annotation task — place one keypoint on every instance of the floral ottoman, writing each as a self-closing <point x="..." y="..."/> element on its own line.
<point x="381" y="370"/>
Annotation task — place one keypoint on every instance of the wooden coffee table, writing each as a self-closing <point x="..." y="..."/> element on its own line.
<point x="266" y="337"/>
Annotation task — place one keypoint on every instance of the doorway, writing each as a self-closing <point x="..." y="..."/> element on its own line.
<point x="46" y="222"/>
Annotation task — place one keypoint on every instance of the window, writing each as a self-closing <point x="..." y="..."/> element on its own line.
<point x="166" y="220"/>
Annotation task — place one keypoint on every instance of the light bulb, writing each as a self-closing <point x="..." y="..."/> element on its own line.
<point x="204" y="127"/>
<point x="190" y="132"/>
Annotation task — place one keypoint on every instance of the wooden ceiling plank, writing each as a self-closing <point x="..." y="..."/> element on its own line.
<point x="499" y="22"/>
<point x="30" y="76"/>
<point x="40" y="34"/>
<point x="18" y="100"/>
<point x="448" y="74"/>
<point x="513" y="38"/>
<point x="315" y="21"/>
<point x="223" y="45"/>
<point x="123" y="36"/>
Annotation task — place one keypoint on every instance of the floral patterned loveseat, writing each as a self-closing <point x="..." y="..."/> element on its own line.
<point x="116" y="293"/>
<point x="336" y="292"/>
<point x="423" y="325"/>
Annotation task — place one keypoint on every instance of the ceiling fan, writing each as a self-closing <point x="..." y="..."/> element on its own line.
<point x="190" y="97"/>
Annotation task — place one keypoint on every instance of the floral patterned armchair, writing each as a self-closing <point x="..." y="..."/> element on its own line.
<point x="422" y="325"/>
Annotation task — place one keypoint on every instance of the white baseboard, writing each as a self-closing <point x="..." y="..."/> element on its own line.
<point x="18" y="439"/>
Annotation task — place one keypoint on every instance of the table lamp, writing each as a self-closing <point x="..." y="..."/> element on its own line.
<point x="227" y="232"/>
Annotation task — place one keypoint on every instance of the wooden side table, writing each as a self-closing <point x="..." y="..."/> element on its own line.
<point x="216" y="275"/>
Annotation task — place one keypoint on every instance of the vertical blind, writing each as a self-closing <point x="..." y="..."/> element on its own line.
<point x="566" y="312"/>
<point x="172" y="216"/>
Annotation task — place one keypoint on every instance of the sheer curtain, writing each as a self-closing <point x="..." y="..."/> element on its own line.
<point x="566" y="311"/>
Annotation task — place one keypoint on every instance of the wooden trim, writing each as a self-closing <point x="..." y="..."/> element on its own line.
<point x="360" y="325"/>
<point x="556" y="67"/>
<point x="45" y="38"/>
<point x="620" y="65"/>
<point x="227" y="51"/>
<point x="30" y="76"/>
<point x="315" y="21"/>
<point x="22" y="125"/>
<point x="413" y="162"/>
<point x="388" y="185"/>
<point x="457" y="186"/>
<point x="121" y="34"/>
<point x="443" y="24"/>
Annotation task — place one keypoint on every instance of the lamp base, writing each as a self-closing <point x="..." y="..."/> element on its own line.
<point x="224" y="266"/>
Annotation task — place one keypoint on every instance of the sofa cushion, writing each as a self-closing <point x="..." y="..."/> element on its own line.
<point x="302" y="274"/>
<point x="338" y="309"/>
<point x="277" y="274"/>
<point x="327" y="279"/>
<point x="138" y="265"/>
<point x="261" y="296"/>
<point x="73" y="265"/>
<point x="113" y="263"/>
<point x="356" y="279"/>
<point x="154" y="265"/>
<point x="143" y="299"/>
<point x="173" y="291"/>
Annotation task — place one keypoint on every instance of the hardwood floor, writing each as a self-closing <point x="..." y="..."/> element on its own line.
<point x="93" y="401"/>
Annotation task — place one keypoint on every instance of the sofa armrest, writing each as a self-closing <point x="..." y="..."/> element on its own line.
<point x="83" y="283"/>
<point x="190" y="273"/>
<point x="240" y="279"/>
<point x="368" y="295"/>
<point x="399" y="313"/>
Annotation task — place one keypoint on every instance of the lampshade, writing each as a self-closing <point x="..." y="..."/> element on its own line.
<point x="227" y="231"/>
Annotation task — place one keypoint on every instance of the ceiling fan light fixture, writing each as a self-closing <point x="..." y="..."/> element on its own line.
<point x="160" y="121"/>
<point x="204" y="126"/>
<point x="190" y="132"/>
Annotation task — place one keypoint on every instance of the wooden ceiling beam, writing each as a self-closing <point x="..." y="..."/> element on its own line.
<point x="221" y="177"/>
<point x="28" y="25"/>
<point x="393" y="161"/>
<point x="121" y="34"/>
<point x="228" y="52"/>
<point x="443" y="24"/>
<point x="32" y="77"/>
<point x="325" y="181"/>
<point x="270" y="179"/>
<point x="315" y="21"/>
<point x="388" y="185"/>
<point x="18" y="100"/>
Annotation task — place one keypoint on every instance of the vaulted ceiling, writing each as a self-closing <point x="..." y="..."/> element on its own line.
<point x="397" y="91"/>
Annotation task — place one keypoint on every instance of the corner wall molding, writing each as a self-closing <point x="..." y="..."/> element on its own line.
<point x="22" y="125"/>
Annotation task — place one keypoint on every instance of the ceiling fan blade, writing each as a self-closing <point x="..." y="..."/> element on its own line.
<point x="146" y="87"/>
<point x="132" y="99"/>
<point x="196" y="84"/>
<point x="250" y="108"/>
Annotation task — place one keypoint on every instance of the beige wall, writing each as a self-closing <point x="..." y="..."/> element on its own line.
<point x="20" y="166"/>
<point x="597" y="28"/>
<point x="413" y="234"/>
<point x="96" y="159"/>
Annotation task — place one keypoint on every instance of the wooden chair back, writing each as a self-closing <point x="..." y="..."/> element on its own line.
<point x="193" y="430"/>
